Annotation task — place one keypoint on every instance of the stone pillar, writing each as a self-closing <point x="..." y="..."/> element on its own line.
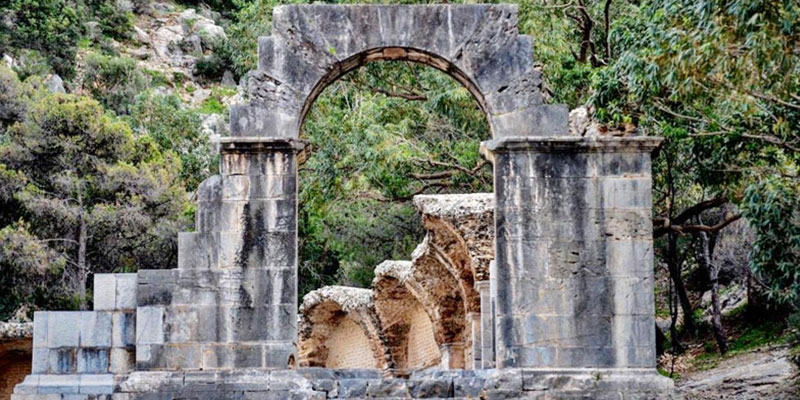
<point x="574" y="252"/>
<point x="232" y="302"/>
<point x="474" y="320"/>
<point x="487" y="325"/>
<point x="452" y="355"/>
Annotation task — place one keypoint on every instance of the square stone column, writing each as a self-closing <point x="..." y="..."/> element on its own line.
<point x="574" y="252"/>
<point x="474" y="319"/>
<point x="232" y="302"/>
<point x="487" y="325"/>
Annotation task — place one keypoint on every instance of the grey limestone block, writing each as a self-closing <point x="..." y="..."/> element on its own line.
<point x="352" y="388"/>
<point x="150" y="325"/>
<point x="156" y="286"/>
<point x="63" y="329"/>
<point x="625" y="164"/>
<point x="182" y="356"/>
<point x="126" y="291"/>
<point x="40" y="329"/>
<point x="249" y="380"/>
<point x="123" y="329"/>
<point x="200" y="381"/>
<point x="93" y="360"/>
<point x="59" y="384"/>
<point x="258" y="120"/>
<point x="620" y="193"/>
<point x="95" y="329"/>
<point x="268" y="162"/>
<point x="537" y="120"/>
<point x="387" y="388"/>
<point x="121" y="360"/>
<point x="105" y="292"/>
<point x="199" y="250"/>
<point x="97" y="384"/>
<point x="279" y="355"/>
<point x="40" y="360"/>
<point x="431" y="388"/>
<point x="63" y="361"/>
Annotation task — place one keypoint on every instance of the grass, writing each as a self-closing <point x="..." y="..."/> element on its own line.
<point x="212" y="105"/>
<point x="745" y="333"/>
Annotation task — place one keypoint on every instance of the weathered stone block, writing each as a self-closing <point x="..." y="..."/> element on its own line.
<point x="59" y="384"/>
<point x="200" y="381"/>
<point x="40" y="360"/>
<point x="626" y="192"/>
<point x="121" y="360"/>
<point x="629" y="257"/>
<point x="95" y="329"/>
<point x="149" y="325"/>
<point x="92" y="361"/>
<point x="40" y="329"/>
<point x="182" y="356"/>
<point x="431" y="388"/>
<point x="126" y="288"/>
<point x="63" y="329"/>
<point x="62" y="361"/>
<point x="105" y="292"/>
<point x="156" y="287"/>
<point x="352" y="388"/>
<point x="97" y="384"/>
<point x="539" y="120"/>
<point x="258" y="121"/>
<point x="279" y="355"/>
<point x="123" y="329"/>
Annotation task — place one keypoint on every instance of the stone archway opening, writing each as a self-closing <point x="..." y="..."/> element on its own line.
<point x="445" y="306"/>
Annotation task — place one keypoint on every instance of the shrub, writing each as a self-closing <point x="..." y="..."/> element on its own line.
<point x="12" y="105"/>
<point x="52" y="27"/>
<point x="175" y="128"/>
<point x="213" y="66"/>
<point x="114" y="81"/>
<point x="114" y="21"/>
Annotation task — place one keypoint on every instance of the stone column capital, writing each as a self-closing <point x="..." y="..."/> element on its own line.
<point x="570" y="144"/>
<point x="260" y="144"/>
<point x="480" y="286"/>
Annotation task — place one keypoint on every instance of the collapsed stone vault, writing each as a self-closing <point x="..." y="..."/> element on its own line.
<point x="570" y="295"/>
<point x="420" y="313"/>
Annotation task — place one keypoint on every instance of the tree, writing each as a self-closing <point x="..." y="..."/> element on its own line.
<point x="175" y="128"/>
<point x="50" y="26"/>
<point x="90" y="191"/>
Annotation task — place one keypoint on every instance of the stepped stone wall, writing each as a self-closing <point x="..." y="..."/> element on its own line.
<point x="570" y="309"/>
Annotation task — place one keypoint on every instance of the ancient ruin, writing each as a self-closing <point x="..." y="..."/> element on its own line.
<point x="567" y="310"/>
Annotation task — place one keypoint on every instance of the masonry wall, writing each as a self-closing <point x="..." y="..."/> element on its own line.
<point x="15" y="364"/>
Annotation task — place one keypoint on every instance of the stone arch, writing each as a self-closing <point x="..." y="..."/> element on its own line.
<point x="478" y="45"/>
<point x="346" y="316"/>
<point x="408" y="320"/>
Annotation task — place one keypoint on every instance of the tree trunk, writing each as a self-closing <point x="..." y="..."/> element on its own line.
<point x="675" y="274"/>
<point x="82" y="268"/>
<point x="713" y="274"/>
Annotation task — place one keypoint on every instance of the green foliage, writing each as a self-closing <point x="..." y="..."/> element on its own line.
<point x="114" y="81"/>
<point x="373" y="149"/>
<point x="176" y="129"/>
<point x="70" y="167"/>
<point x="12" y="105"/>
<point x="52" y="27"/>
<point x="114" y="22"/>
<point x="211" y="67"/>
<point x="28" y="270"/>
<point x="773" y="209"/>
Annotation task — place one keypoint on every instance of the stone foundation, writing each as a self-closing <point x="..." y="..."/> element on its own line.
<point x="319" y="383"/>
